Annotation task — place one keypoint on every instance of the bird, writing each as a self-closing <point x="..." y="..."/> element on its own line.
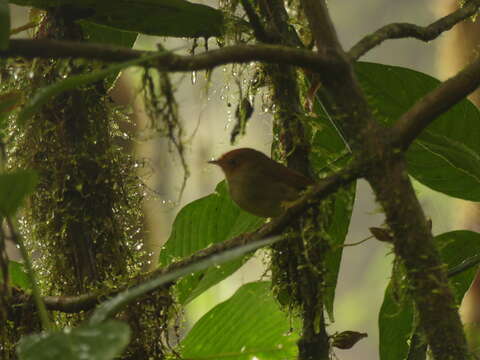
<point x="258" y="184"/>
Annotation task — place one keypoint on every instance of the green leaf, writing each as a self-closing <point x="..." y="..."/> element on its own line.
<point x="247" y="325"/>
<point x="18" y="275"/>
<point x="472" y="333"/>
<point x="329" y="153"/>
<point x="101" y="34"/>
<point x="395" y="326"/>
<point x="212" y="219"/>
<point x="45" y="94"/>
<point x="4" y="24"/>
<point x="177" y="18"/>
<point x="342" y="213"/>
<point x="14" y="188"/>
<point x="446" y="156"/>
<point x="93" y="342"/>
<point x="455" y="247"/>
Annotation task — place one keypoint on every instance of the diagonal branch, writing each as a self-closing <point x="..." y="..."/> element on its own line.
<point x="388" y="177"/>
<point x="340" y="86"/>
<point x="406" y="30"/>
<point x="325" y="187"/>
<point x="256" y="23"/>
<point x="435" y="103"/>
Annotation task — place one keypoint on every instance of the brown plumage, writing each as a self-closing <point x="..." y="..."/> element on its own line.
<point x="259" y="184"/>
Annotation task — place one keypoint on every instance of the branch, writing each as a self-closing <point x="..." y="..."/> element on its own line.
<point x="341" y="93"/>
<point x="321" y="27"/>
<point x="52" y="49"/>
<point x="325" y="187"/>
<point x="404" y="30"/>
<point x="255" y="22"/>
<point x="393" y="189"/>
<point x="435" y="103"/>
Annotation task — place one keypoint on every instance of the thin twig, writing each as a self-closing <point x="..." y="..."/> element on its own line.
<point x="29" y="25"/>
<point x="405" y="30"/>
<point x="358" y="242"/>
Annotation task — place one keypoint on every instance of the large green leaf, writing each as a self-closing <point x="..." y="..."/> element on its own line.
<point x="206" y="221"/>
<point x="329" y="153"/>
<point x="455" y="247"/>
<point x="337" y="231"/>
<point x="395" y="318"/>
<point x="446" y="156"/>
<point x="93" y="342"/>
<point x="249" y="325"/>
<point x="101" y="34"/>
<point x="4" y="24"/>
<point x="395" y="326"/>
<point x="14" y="188"/>
<point x="177" y="18"/>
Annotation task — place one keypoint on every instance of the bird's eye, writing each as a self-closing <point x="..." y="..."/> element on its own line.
<point x="232" y="162"/>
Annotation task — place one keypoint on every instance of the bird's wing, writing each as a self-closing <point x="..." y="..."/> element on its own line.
<point x="291" y="177"/>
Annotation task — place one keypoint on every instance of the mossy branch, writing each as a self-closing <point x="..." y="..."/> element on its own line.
<point x="413" y="240"/>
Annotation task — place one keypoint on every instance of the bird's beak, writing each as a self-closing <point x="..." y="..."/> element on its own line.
<point x="214" y="162"/>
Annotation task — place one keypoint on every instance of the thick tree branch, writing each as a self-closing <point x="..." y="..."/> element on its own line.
<point x="53" y="49"/>
<point x="435" y="103"/>
<point x="325" y="187"/>
<point x="255" y="22"/>
<point x="322" y="27"/>
<point x="354" y="118"/>
<point x="414" y="245"/>
<point x="293" y="269"/>
<point x="405" y="30"/>
<point x="388" y="178"/>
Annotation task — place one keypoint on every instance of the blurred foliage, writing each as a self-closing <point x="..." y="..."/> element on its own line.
<point x="177" y="18"/>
